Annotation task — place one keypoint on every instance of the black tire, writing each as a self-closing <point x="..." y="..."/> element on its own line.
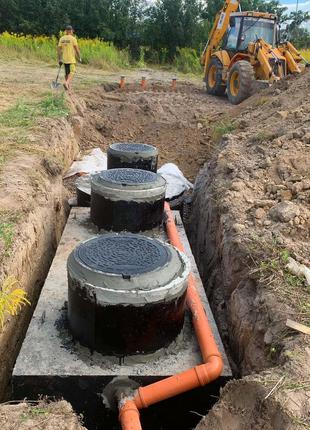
<point x="240" y="82"/>
<point x="216" y="88"/>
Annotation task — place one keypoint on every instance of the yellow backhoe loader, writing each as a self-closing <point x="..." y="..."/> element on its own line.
<point x="243" y="48"/>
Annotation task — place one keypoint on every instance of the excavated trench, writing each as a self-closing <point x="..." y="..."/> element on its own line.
<point x="158" y="117"/>
<point x="174" y="123"/>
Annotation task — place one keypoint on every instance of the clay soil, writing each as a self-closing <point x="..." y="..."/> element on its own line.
<point x="250" y="213"/>
<point x="250" y="222"/>
<point x="39" y="415"/>
<point x="172" y="121"/>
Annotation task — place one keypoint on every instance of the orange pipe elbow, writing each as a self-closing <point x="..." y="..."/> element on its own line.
<point x="198" y="376"/>
<point x="129" y="415"/>
<point x="192" y="378"/>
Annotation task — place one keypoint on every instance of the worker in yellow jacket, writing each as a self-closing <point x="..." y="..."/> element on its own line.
<point x="68" y="51"/>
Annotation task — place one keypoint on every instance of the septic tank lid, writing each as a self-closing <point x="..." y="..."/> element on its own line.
<point x="142" y="149"/>
<point x="129" y="268"/>
<point x="123" y="254"/>
<point x="129" y="178"/>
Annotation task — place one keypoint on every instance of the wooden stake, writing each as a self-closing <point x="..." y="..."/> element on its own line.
<point x="297" y="326"/>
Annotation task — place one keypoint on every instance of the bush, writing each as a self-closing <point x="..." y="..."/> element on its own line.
<point x="187" y="61"/>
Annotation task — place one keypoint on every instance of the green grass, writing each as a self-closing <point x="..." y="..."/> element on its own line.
<point x="270" y="268"/>
<point x="6" y="235"/>
<point x="52" y="106"/>
<point x="187" y="61"/>
<point x="220" y="128"/>
<point x="16" y="124"/>
<point x="306" y="54"/>
<point x="34" y="412"/>
<point x="24" y="114"/>
<point x="7" y="232"/>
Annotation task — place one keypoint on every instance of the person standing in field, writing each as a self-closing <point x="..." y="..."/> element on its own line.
<point x="68" y="51"/>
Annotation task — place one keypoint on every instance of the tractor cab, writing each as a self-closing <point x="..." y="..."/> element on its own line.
<point x="247" y="27"/>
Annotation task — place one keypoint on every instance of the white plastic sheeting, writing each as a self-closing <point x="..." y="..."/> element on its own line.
<point x="95" y="161"/>
<point x="176" y="181"/>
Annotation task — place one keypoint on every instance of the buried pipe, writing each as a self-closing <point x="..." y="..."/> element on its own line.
<point x="193" y="378"/>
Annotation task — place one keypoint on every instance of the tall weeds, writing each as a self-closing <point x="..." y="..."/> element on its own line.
<point x="94" y="51"/>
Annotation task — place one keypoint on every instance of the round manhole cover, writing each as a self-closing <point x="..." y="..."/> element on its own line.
<point x="133" y="147"/>
<point x="128" y="176"/>
<point x="125" y="254"/>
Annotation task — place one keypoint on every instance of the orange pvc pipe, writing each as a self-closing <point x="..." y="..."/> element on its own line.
<point x="143" y="82"/>
<point x="122" y="82"/>
<point x="192" y="378"/>
<point x="129" y="415"/>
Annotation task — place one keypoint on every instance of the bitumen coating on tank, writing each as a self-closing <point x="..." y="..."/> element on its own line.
<point x="51" y="360"/>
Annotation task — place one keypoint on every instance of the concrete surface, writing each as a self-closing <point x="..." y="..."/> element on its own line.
<point x="52" y="363"/>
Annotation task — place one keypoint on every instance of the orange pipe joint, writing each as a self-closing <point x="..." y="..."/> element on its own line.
<point x="129" y="416"/>
<point x="122" y="82"/>
<point x="174" y="84"/>
<point x="198" y="376"/>
<point x="193" y="378"/>
<point x="143" y="82"/>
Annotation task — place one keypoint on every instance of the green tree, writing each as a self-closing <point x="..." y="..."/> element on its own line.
<point x="174" y="23"/>
<point x="9" y="15"/>
<point x="299" y="35"/>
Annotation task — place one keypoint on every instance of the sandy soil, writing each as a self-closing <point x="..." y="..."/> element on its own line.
<point x="40" y="416"/>
<point x="250" y="208"/>
<point x="172" y="121"/>
<point x="251" y="215"/>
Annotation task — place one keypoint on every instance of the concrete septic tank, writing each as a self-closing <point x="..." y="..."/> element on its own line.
<point x="52" y="363"/>
<point x="83" y="191"/>
<point x="133" y="156"/>
<point x="126" y="293"/>
<point x="127" y="199"/>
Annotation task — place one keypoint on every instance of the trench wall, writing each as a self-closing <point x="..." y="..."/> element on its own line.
<point x="44" y="210"/>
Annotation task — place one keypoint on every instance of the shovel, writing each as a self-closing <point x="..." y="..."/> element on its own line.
<point x="55" y="84"/>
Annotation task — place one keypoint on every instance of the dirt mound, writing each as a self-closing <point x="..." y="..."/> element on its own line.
<point x="251" y="216"/>
<point x="41" y="416"/>
<point x="33" y="209"/>
<point x="172" y="121"/>
<point x="242" y="406"/>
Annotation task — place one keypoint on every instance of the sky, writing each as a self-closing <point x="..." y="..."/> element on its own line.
<point x="302" y="5"/>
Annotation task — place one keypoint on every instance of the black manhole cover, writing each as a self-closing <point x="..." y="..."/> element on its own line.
<point x="128" y="176"/>
<point x="125" y="254"/>
<point x="133" y="147"/>
<point x="126" y="293"/>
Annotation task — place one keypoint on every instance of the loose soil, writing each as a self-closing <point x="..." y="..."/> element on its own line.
<point x="172" y="121"/>
<point x="40" y="415"/>
<point x="250" y="213"/>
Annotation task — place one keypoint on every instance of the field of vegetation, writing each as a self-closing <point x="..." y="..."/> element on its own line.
<point x="306" y="54"/>
<point x="95" y="52"/>
<point x="98" y="53"/>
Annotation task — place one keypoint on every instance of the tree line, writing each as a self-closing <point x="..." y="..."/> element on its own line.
<point x="161" y="25"/>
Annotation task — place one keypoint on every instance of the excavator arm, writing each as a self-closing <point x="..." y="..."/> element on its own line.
<point x="219" y="28"/>
<point x="293" y="57"/>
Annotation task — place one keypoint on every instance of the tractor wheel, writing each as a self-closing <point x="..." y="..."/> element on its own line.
<point x="213" y="78"/>
<point x="240" y="82"/>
